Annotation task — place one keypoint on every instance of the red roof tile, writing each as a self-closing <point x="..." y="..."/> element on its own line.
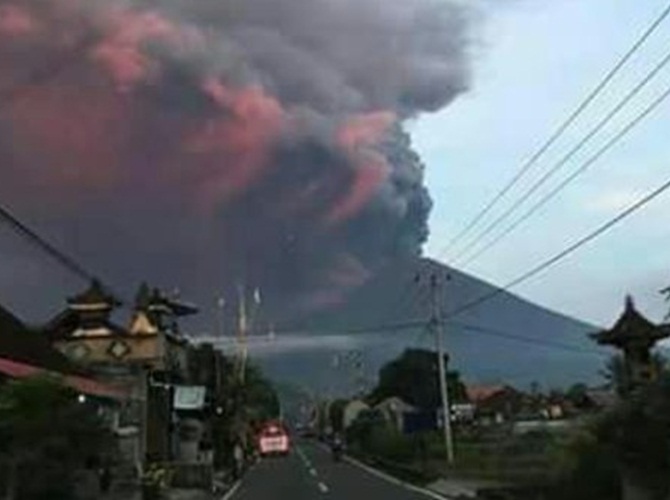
<point x="18" y="370"/>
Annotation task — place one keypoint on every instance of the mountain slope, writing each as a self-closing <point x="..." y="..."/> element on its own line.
<point x="491" y="354"/>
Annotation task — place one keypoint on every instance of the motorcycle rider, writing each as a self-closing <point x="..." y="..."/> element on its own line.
<point x="337" y="446"/>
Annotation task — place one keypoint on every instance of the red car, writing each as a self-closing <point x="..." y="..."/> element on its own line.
<point x="273" y="439"/>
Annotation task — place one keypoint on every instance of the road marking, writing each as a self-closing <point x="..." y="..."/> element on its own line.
<point x="394" y="480"/>
<point x="232" y="491"/>
<point x="303" y="457"/>
<point x="312" y="471"/>
<point x="323" y="488"/>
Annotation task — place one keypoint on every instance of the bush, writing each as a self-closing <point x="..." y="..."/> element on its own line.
<point x="372" y="435"/>
<point x="585" y="468"/>
<point x="633" y="438"/>
<point x="388" y="443"/>
<point x="46" y="436"/>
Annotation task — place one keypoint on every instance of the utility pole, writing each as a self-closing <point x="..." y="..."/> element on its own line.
<point x="220" y="310"/>
<point x="221" y="316"/>
<point x="242" y="332"/>
<point x="436" y="324"/>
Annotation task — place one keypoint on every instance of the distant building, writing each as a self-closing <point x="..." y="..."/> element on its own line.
<point x="598" y="399"/>
<point x="463" y="412"/>
<point x="394" y="410"/>
<point x="495" y="403"/>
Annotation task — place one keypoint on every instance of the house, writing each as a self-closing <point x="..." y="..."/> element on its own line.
<point x="495" y="403"/>
<point x="599" y="399"/>
<point x="461" y="412"/>
<point x="394" y="409"/>
<point x="352" y="411"/>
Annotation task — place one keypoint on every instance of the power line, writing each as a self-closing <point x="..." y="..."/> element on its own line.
<point x="561" y="129"/>
<point x="564" y="253"/>
<point x="410" y="295"/>
<point x="414" y="296"/>
<point x="370" y="329"/>
<point x="38" y="76"/>
<point x="565" y="159"/>
<point x="423" y="332"/>
<point x="524" y="339"/>
<point x="64" y="260"/>
<point x="41" y="75"/>
<point x="373" y="329"/>
<point x="560" y="187"/>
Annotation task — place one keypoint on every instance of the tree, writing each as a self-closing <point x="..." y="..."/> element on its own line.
<point x="616" y="372"/>
<point x="46" y="436"/>
<point x="243" y="407"/>
<point x="336" y="416"/>
<point x="624" y="453"/>
<point x="259" y="396"/>
<point x="577" y="394"/>
<point x="638" y="432"/>
<point x="587" y="469"/>
<point x="413" y="378"/>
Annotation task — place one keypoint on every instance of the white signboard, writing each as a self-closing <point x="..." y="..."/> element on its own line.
<point x="189" y="397"/>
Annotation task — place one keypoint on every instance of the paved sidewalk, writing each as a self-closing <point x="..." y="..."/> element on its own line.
<point x="127" y="490"/>
<point x="184" y="494"/>
<point x="462" y="488"/>
<point x="173" y="494"/>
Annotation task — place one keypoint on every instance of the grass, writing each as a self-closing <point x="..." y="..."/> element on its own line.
<point x="527" y="459"/>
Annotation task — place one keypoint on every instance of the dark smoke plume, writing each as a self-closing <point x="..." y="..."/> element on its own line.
<point x="207" y="143"/>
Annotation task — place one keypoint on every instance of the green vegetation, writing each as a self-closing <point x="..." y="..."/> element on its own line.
<point x="413" y="378"/>
<point x="47" y="435"/>
<point x="258" y="396"/>
<point x="630" y="443"/>
<point x="240" y="407"/>
<point x="586" y="462"/>
<point x="374" y="439"/>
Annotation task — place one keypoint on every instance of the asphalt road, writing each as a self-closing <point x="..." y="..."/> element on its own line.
<point x="309" y="473"/>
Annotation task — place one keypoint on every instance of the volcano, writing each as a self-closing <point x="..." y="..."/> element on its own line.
<point x="514" y="341"/>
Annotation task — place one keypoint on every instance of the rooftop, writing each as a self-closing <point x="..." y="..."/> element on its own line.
<point x="155" y="300"/>
<point x="21" y="344"/>
<point x="631" y="326"/>
<point x="480" y="393"/>
<point x="94" y="296"/>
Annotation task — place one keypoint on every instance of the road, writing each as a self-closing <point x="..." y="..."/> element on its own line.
<point x="309" y="473"/>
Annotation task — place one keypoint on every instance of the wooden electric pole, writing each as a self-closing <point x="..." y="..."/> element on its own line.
<point x="436" y="325"/>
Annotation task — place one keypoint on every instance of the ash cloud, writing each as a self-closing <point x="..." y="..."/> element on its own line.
<point x="211" y="143"/>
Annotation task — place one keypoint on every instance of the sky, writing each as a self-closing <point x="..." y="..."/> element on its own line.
<point x="534" y="61"/>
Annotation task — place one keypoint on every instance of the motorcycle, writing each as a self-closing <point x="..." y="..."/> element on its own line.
<point x="337" y="451"/>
